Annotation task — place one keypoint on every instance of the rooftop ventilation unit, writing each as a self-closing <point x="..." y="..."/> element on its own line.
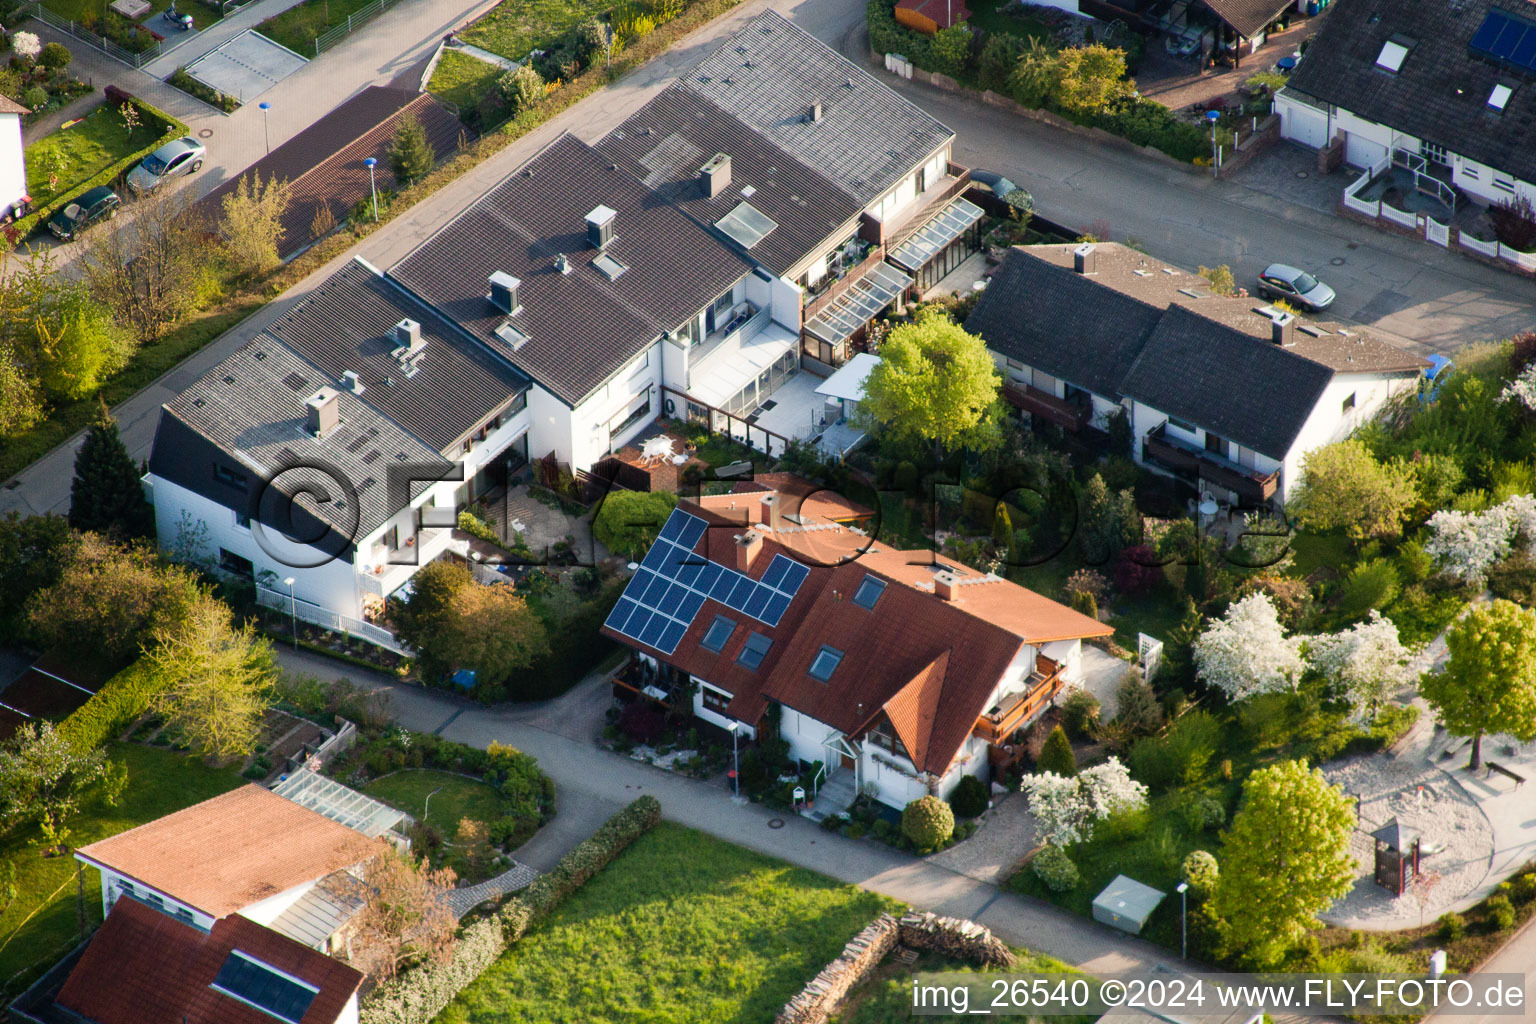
<point x="600" y="227"/>
<point x="1085" y="259"/>
<point x="562" y="263"/>
<point x="715" y="175"/>
<point x="503" y="293"/>
<point x="352" y="382"/>
<point x="1282" y="330"/>
<point x="409" y="345"/>
<point x="322" y="412"/>
<point x="814" y="114"/>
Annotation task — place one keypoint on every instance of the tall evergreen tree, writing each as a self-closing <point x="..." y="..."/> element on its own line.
<point x="410" y="151"/>
<point x="106" y="496"/>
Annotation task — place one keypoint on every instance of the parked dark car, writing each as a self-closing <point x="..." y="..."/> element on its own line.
<point x="97" y="204"/>
<point x="998" y="195"/>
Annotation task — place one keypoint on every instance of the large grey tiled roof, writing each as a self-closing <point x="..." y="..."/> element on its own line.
<point x="581" y="326"/>
<point x="1248" y="16"/>
<point x="665" y="142"/>
<point x="251" y="406"/>
<point x="1230" y="383"/>
<point x="769" y="73"/>
<point x="348" y="324"/>
<point x="1440" y="94"/>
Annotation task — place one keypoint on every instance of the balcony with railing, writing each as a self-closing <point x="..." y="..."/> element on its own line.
<point x="857" y="262"/>
<point x="1017" y="709"/>
<point x="911" y="218"/>
<point x="1252" y="486"/>
<point x="1072" y="414"/>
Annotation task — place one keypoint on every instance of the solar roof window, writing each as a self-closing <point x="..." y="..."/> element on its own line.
<point x="718" y="634"/>
<point x="251" y="981"/>
<point x="754" y="651"/>
<point x="825" y="663"/>
<point x="869" y="592"/>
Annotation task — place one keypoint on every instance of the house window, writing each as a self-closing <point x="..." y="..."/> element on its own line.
<point x="236" y="564"/>
<point x="1215" y="445"/>
<point x="883" y="737"/>
<point x="1433" y="152"/>
<point x="869" y="592"/>
<point x="1506" y="184"/>
<point x="754" y="651"/>
<point x="1349" y="403"/>
<point x="715" y="700"/>
<point x="1498" y="99"/>
<point x="635" y="415"/>
<point x="825" y="663"/>
<point x="1184" y="425"/>
<point x="242" y="520"/>
<point x="224" y="475"/>
<point x="718" y="634"/>
<point x="1469" y="172"/>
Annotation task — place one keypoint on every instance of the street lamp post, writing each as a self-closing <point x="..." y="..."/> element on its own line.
<point x="371" y="163"/>
<point x="1213" y="116"/>
<point x="1183" y="891"/>
<point x="609" y="64"/>
<point x="266" y="134"/>
<point x="293" y="611"/>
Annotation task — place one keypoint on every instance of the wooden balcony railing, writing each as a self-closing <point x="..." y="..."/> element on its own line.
<point x="1252" y="486"/>
<point x="932" y="204"/>
<point x="1070" y="414"/>
<point x="873" y="258"/>
<point x="1019" y="708"/>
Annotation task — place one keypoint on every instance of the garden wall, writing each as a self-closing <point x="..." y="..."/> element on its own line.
<point x="953" y="937"/>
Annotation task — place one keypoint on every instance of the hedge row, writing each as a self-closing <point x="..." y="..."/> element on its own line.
<point x="418" y="994"/>
<point x="171" y="129"/>
<point x="113" y="708"/>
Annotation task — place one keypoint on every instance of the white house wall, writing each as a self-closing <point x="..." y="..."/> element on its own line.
<point x="807" y="739"/>
<point x="13" y="163"/>
<point x="1069" y="655"/>
<point x="348" y="1014"/>
<point x="1330" y="421"/>
<point x="714" y="717"/>
<point x="113" y="884"/>
<point x="270" y="909"/>
<point x="332" y="585"/>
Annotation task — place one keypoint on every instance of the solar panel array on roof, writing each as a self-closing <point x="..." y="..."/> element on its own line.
<point x="1508" y="38"/>
<point x="263" y="987"/>
<point x="673" y="582"/>
<point x="746" y="224"/>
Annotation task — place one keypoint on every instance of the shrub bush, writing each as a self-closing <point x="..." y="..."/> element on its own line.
<point x="928" y="822"/>
<point x="1201" y="811"/>
<point x="1086" y="603"/>
<point x="1452" y="926"/>
<point x="887" y="35"/>
<point x="1501" y="913"/>
<point x="1373" y="583"/>
<point x="1201" y="871"/>
<point x="951" y="49"/>
<point x="970" y="797"/>
<point x="1178" y="757"/>
<point x="1080" y="714"/>
<point x="641" y="723"/>
<point x="1055" y="869"/>
<point x="999" y="55"/>
<point x="113" y="708"/>
<point x="1057" y="756"/>
<point x="55" y="56"/>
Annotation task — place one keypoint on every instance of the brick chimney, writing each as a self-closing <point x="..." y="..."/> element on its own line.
<point x="772" y="517"/>
<point x="946" y="585"/>
<point x="322" y="412"/>
<point x="747" y="546"/>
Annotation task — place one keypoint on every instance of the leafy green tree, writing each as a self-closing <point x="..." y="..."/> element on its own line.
<point x="252" y="223"/>
<point x="928" y="822"/>
<point x="627" y="522"/>
<point x="951" y="49"/>
<point x="1110" y="522"/>
<point x="1221" y="278"/>
<point x="935" y="382"/>
<point x="1002" y="527"/>
<point x="1035" y="75"/>
<point x="44" y="777"/>
<point x="1285" y="858"/>
<point x="105" y="495"/>
<point x="21" y="399"/>
<point x="1092" y="79"/>
<point x="591" y="42"/>
<point x="433" y="589"/>
<point x="108" y="601"/>
<point x="410" y="151"/>
<point x="1056" y="755"/>
<point x="999" y="54"/>
<point x="521" y="87"/>
<point x="1136" y="707"/>
<point x="78" y="344"/>
<point x="1489" y="682"/>
<point x="33" y="553"/>
<point x="489" y="630"/>
<point x="1343" y="487"/>
<point x="215" y="678"/>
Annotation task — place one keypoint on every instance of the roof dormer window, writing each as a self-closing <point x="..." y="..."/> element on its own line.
<point x="1393" y="53"/>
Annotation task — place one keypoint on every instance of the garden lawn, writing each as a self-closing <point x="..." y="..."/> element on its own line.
<point x="159" y="782"/>
<point x="515" y="29"/>
<point x="681" y="928"/>
<point x="297" y="27"/>
<point x="988" y="16"/>
<point x="81" y="152"/>
<point x="462" y="80"/>
<point x="886" y="996"/>
<point x="454" y="797"/>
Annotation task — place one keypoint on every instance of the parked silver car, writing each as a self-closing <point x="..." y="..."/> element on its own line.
<point x="182" y="156"/>
<point x="1296" y="287"/>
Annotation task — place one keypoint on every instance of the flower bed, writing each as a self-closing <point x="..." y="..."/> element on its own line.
<point x="192" y="87"/>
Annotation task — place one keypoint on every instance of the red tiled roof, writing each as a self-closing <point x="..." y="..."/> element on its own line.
<point x="233" y="850"/>
<point x="930" y="664"/>
<point x="145" y="967"/>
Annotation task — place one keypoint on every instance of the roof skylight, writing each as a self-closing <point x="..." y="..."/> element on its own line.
<point x="754" y="650"/>
<point x="869" y="592"/>
<point x="1392" y="55"/>
<point x="826" y="662"/>
<point x="1500" y="96"/>
<point x="746" y="225"/>
<point x="718" y="634"/>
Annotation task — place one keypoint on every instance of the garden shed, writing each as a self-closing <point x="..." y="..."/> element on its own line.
<point x="1126" y="904"/>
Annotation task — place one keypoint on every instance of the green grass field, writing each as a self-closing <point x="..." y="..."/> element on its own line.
<point x="886" y="996"/>
<point x="41" y="925"/>
<point x="515" y="29"/>
<point x="78" y="153"/>
<point x="455" y="798"/>
<point x="462" y="80"/>
<point x="297" y="27"/>
<point x="681" y="928"/>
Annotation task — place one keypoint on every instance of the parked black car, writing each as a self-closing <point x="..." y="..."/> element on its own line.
<point x="998" y="195"/>
<point x="97" y="204"/>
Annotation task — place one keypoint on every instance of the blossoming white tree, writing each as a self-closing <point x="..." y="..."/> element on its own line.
<point x="1066" y="808"/>
<point x="1246" y="651"/>
<point x="1522" y="389"/>
<point x="1467" y="544"/>
<point x="1366" y="663"/>
<point x="26" y="44"/>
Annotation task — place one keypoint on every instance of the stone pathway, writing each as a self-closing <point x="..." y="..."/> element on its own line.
<point x="518" y="876"/>
<point x="487" y="56"/>
<point x="1006" y="834"/>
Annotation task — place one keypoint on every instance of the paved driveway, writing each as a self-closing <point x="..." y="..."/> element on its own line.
<point x="245" y="66"/>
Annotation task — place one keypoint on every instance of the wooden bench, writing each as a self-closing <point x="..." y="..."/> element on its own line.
<point x="1518" y="779"/>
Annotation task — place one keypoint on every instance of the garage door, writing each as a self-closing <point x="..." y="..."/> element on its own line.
<point x="1306" y="125"/>
<point x="1362" y="152"/>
